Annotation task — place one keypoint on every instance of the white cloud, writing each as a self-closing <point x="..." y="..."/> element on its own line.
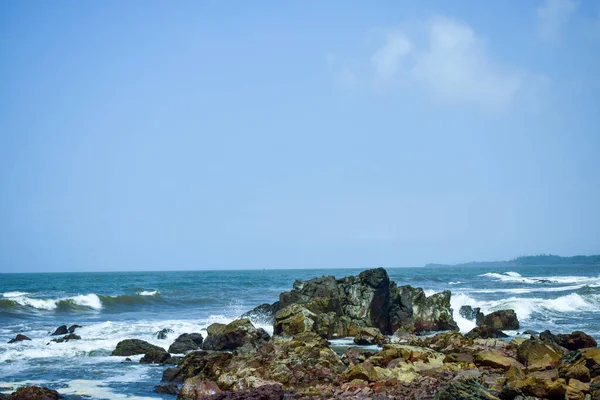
<point x="388" y="59"/>
<point x="552" y="16"/>
<point x="347" y="78"/>
<point x="455" y="68"/>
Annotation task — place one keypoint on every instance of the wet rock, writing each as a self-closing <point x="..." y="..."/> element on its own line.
<point x="197" y="387"/>
<point x="234" y="335"/>
<point x="501" y="319"/>
<point x="35" y="393"/>
<point x="368" y="336"/>
<point x="495" y="359"/>
<point x="263" y="314"/>
<point x="583" y="364"/>
<point x="448" y="342"/>
<point x="155" y="356"/>
<point x="540" y="387"/>
<point x="207" y="365"/>
<point x="485" y="332"/>
<point x="131" y="347"/>
<point x="73" y="327"/>
<point x="538" y="355"/>
<point x="61" y="330"/>
<point x="356" y="355"/>
<point x="18" y="338"/>
<point x="171" y="388"/>
<point x="294" y="319"/>
<point x="470" y="313"/>
<point x="467" y="389"/>
<point x="66" y="338"/>
<point x="575" y="340"/>
<point x="264" y="392"/>
<point x="163" y="333"/>
<point x="186" y="342"/>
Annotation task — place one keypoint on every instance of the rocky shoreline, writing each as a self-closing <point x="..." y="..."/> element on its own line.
<point x="407" y="346"/>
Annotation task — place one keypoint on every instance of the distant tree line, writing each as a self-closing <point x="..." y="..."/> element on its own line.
<point x="550" y="259"/>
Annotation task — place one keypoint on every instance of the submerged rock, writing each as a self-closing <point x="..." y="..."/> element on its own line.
<point x="35" y="393"/>
<point x="186" y="342"/>
<point x="234" y="335"/>
<point x="131" y="347"/>
<point x="66" y="338"/>
<point x="18" y="338"/>
<point x="61" y="330"/>
<point x="163" y="333"/>
<point x="73" y="327"/>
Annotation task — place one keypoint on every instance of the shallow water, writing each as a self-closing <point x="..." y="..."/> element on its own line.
<point x="119" y="305"/>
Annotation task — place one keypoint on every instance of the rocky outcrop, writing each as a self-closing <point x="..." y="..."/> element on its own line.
<point x="131" y="347"/>
<point x="264" y="392"/>
<point x="573" y="341"/>
<point x="35" y="393"/>
<point x="66" y="338"/>
<point x="186" y="342"/>
<point x="485" y="332"/>
<point x="368" y="336"/>
<point x="234" y="335"/>
<point x="61" y="330"/>
<point x="171" y="388"/>
<point x="342" y="307"/>
<point x="155" y="356"/>
<point x="470" y="313"/>
<point x="202" y="363"/>
<point x="538" y="355"/>
<point x="501" y="319"/>
<point x="18" y="338"/>
<point x="263" y="314"/>
<point x="197" y="387"/>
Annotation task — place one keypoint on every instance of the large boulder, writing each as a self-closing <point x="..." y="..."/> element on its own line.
<point x="411" y="308"/>
<point x="66" y="338"/>
<point x="234" y="335"/>
<point x="501" y="319"/>
<point x="207" y="365"/>
<point x="196" y="388"/>
<point x="539" y="355"/>
<point x="470" y="313"/>
<point x="35" y="393"/>
<point x="131" y="347"/>
<point x="61" y="330"/>
<point x="572" y="341"/>
<point x="294" y="319"/>
<point x="263" y="314"/>
<point x="583" y="364"/>
<point x="18" y="338"/>
<point x="368" y="336"/>
<point x="494" y="359"/>
<point x="485" y="332"/>
<point x="537" y="386"/>
<point x="186" y="342"/>
<point x="155" y="356"/>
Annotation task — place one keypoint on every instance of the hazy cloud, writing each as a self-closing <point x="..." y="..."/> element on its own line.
<point x="387" y="60"/>
<point x="552" y="16"/>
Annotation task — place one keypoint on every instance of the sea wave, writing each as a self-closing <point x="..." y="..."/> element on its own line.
<point x="14" y="294"/>
<point x="518" y="278"/>
<point x="23" y="302"/>
<point x="148" y="293"/>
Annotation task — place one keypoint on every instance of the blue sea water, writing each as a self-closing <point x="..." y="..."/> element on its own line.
<point x="113" y="306"/>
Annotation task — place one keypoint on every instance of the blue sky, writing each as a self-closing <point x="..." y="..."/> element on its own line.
<point x="148" y="135"/>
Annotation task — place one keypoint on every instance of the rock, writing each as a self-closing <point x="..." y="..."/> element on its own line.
<point x="186" y="342"/>
<point x="263" y="314"/>
<point x="35" y="393"/>
<point x="197" y="387"/>
<point x="293" y="319"/>
<point x="18" y="338"/>
<point x="66" y="338"/>
<point x="155" y="356"/>
<point x="264" y="392"/>
<point x="485" y="332"/>
<point x="61" y="330"/>
<point x="234" y="335"/>
<point x="202" y="363"/>
<point x="494" y="359"/>
<point x="368" y="336"/>
<point x="171" y="388"/>
<point x="411" y="308"/>
<point x="540" y="387"/>
<point x="583" y="364"/>
<point x="576" y="390"/>
<point x="501" y="319"/>
<point x="538" y="355"/>
<point x="73" y="327"/>
<point x="467" y="389"/>
<point x="575" y="340"/>
<point x="163" y="333"/>
<point x="447" y="342"/>
<point x="356" y="355"/>
<point x="470" y="313"/>
<point x="131" y="347"/>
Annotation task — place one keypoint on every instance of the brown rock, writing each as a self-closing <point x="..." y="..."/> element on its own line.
<point x="494" y="359"/>
<point x="197" y="387"/>
<point x="35" y="393"/>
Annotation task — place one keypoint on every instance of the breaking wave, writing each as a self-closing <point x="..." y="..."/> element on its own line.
<point x="518" y="278"/>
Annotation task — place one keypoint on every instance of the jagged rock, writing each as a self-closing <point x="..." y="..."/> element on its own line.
<point x="501" y="319"/>
<point x="411" y="308"/>
<point x="163" y="333"/>
<point x="293" y="319"/>
<point x="234" y="335"/>
<point x="131" y="347"/>
<point x="264" y="392"/>
<point x="66" y="338"/>
<point x="494" y="359"/>
<point x="263" y="314"/>
<point x="583" y="364"/>
<point x="18" y="338"/>
<point x="485" y="332"/>
<point x="35" y="393"/>
<point x="155" y="356"/>
<point x="573" y="341"/>
<point x="467" y="389"/>
<point x="540" y="387"/>
<point x="171" y="388"/>
<point x="197" y="387"/>
<point x="61" y="330"/>
<point x="447" y="342"/>
<point x="470" y="313"/>
<point x="195" y="363"/>
<point x="538" y="355"/>
<point x="186" y="342"/>
<point x="73" y="327"/>
<point x="356" y="355"/>
<point x="368" y="336"/>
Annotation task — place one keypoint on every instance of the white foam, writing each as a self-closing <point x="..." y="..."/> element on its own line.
<point x="456" y="302"/>
<point x="88" y="300"/>
<point x="85" y="300"/>
<point x="529" y="289"/>
<point x="149" y="293"/>
<point x="516" y="277"/>
<point x="14" y="294"/>
<point x="455" y="283"/>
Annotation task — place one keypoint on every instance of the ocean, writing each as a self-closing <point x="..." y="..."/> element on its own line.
<point x="112" y="306"/>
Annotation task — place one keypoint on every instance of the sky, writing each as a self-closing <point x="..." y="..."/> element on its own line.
<point x="153" y="135"/>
